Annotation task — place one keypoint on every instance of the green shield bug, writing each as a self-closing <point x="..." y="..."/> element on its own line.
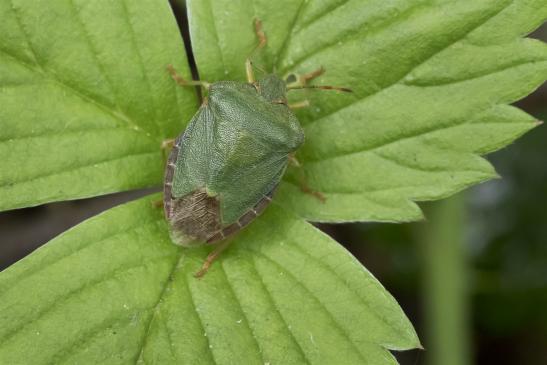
<point x="223" y="170"/>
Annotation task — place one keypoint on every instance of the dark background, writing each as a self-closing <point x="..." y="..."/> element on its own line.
<point x="496" y="292"/>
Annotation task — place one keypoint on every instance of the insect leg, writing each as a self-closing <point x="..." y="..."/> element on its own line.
<point x="312" y="75"/>
<point x="157" y="203"/>
<point x="293" y="161"/>
<point x="304" y="187"/>
<point x="302" y="82"/>
<point x="300" y="104"/>
<point x="212" y="257"/>
<point x="182" y="82"/>
<point x="249" y="71"/>
<point x="262" y="40"/>
<point x="322" y="87"/>
<point x="166" y="145"/>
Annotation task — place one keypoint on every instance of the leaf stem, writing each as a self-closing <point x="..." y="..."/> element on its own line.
<point x="446" y="284"/>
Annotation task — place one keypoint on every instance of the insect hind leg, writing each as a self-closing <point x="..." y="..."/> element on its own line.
<point x="212" y="257"/>
<point x="304" y="187"/>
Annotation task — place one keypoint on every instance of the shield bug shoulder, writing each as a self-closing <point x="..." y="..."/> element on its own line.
<point x="223" y="170"/>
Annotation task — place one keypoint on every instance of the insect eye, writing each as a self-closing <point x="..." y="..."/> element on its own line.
<point x="290" y="79"/>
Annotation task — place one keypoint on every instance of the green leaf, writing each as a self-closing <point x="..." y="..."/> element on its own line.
<point x="431" y="82"/>
<point x="116" y="290"/>
<point x="86" y="103"/>
<point x="85" y="97"/>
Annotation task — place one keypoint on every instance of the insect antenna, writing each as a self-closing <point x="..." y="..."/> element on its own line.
<point x="262" y="40"/>
<point x="321" y="87"/>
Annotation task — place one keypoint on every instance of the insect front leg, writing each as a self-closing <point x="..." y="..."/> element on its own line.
<point x="262" y="40"/>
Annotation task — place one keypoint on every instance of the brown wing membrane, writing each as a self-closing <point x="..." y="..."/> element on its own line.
<point x="196" y="215"/>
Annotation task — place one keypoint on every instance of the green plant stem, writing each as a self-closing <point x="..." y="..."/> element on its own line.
<point x="446" y="284"/>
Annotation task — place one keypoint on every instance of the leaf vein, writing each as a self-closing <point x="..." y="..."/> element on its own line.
<point x="200" y="321"/>
<point x="447" y="82"/>
<point x="154" y="309"/>
<point x="409" y="136"/>
<point x="82" y="95"/>
<point x="75" y="168"/>
<point x="344" y="284"/>
<point x="25" y="34"/>
<point x="407" y="165"/>
<point x="278" y="310"/>
<point x="284" y="46"/>
<point x="345" y="34"/>
<point x="170" y="339"/>
<point x="94" y="53"/>
<point x="327" y="10"/>
<point x="28" y="273"/>
<point x="66" y="351"/>
<point x="60" y="133"/>
<point x="247" y="322"/>
<point x="143" y="68"/>
<point x="215" y="30"/>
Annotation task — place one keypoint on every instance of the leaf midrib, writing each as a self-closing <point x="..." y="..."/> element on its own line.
<point x="168" y="281"/>
<point x="278" y="310"/>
